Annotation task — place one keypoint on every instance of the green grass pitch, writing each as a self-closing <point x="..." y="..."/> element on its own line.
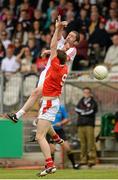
<point x="61" y="174"/>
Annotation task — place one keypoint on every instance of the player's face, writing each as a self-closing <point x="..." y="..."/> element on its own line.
<point x="71" y="38"/>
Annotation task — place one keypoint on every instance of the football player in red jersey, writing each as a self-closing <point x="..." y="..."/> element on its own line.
<point x="54" y="79"/>
<point x="53" y="82"/>
<point x="68" y="45"/>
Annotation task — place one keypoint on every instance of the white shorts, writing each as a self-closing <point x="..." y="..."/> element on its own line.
<point x="49" y="109"/>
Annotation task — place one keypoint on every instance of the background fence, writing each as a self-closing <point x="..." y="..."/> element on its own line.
<point x="15" y="89"/>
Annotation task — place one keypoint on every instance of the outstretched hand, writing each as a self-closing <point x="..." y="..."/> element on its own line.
<point x="60" y="24"/>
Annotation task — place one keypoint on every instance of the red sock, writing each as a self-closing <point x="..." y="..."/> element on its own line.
<point x="56" y="138"/>
<point x="49" y="162"/>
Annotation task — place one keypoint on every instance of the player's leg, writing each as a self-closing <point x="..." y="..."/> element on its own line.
<point x="56" y="138"/>
<point x="47" y="113"/>
<point x="52" y="148"/>
<point x="70" y="155"/>
<point x="36" y="95"/>
<point x="42" y="129"/>
<point x="52" y="145"/>
<point x="67" y="148"/>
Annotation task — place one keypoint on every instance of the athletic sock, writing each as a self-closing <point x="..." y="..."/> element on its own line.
<point x="71" y="158"/>
<point x="49" y="162"/>
<point x="56" y="138"/>
<point x="52" y="155"/>
<point x="20" y="113"/>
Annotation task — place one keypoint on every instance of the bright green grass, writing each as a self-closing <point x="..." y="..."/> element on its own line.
<point x="61" y="174"/>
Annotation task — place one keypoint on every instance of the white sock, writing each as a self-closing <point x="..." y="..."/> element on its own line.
<point x="20" y="113"/>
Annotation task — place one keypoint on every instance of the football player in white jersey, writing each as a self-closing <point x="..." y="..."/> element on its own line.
<point x="68" y="45"/>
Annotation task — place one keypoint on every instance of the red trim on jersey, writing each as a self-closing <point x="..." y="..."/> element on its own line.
<point x="73" y="52"/>
<point x="48" y="105"/>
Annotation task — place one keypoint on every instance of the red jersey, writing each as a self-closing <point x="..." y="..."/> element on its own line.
<point x="54" y="79"/>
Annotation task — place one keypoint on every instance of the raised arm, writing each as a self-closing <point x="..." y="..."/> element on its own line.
<point x="53" y="46"/>
<point x="54" y="40"/>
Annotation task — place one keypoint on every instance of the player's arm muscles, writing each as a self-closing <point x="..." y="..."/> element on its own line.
<point x="53" y="45"/>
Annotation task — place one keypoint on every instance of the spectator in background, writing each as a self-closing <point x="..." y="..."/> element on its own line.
<point x="47" y="40"/>
<point x="114" y="5"/>
<point x="72" y="23"/>
<point x="53" y="17"/>
<point x="100" y="37"/>
<point x="24" y="20"/>
<point x="49" y="11"/>
<point x="18" y="46"/>
<point x="2" y="52"/>
<point x="33" y="49"/>
<point x="36" y="29"/>
<point x="94" y="8"/>
<point x="10" y="23"/>
<point x="3" y="14"/>
<point x="94" y="20"/>
<point x="26" y="6"/>
<point x="69" y="6"/>
<point x="86" y="5"/>
<point x="51" y="29"/>
<point x="112" y="22"/>
<point x="11" y="5"/>
<point x="99" y="41"/>
<point x="61" y="7"/>
<point x="2" y="26"/>
<point x="10" y="64"/>
<point x="81" y="60"/>
<point x="87" y="109"/>
<point x="60" y="121"/>
<point x="4" y="39"/>
<point x="38" y="16"/>
<point x="19" y="32"/>
<point x="111" y="58"/>
<point x="26" y="61"/>
<point x="84" y="20"/>
<point x="42" y="61"/>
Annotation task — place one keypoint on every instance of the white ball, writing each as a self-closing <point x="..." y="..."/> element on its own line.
<point x="100" y="72"/>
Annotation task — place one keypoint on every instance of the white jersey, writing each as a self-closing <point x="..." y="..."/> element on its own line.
<point x="70" y="53"/>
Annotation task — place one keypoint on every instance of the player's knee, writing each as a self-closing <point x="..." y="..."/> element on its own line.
<point x="40" y="136"/>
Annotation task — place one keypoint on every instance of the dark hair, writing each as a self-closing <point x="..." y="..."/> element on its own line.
<point x="87" y="88"/>
<point x="11" y="46"/>
<point x="77" y="36"/>
<point x="61" y="55"/>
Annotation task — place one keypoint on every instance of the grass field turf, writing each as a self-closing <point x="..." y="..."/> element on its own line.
<point x="61" y="174"/>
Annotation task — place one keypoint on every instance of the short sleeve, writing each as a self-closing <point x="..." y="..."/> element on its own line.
<point x="71" y="53"/>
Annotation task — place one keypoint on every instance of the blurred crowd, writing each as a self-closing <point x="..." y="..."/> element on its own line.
<point x="26" y="28"/>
